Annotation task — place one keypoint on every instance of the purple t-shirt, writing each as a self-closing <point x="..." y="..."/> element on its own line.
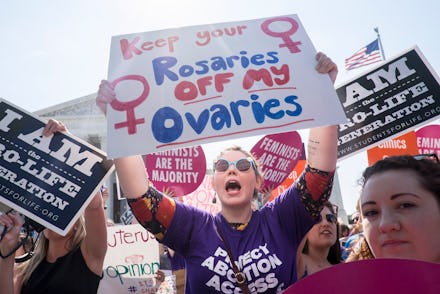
<point x="265" y="251"/>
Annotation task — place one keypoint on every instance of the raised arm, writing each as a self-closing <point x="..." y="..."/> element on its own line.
<point x="316" y="182"/>
<point x="322" y="144"/>
<point x="94" y="246"/>
<point x="152" y="209"/>
<point x="132" y="176"/>
<point x="322" y="148"/>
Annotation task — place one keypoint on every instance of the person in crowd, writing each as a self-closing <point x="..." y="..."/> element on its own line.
<point x="344" y="230"/>
<point x="356" y="227"/>
<point x="359" y="250"/>
<point x="61" y="264"/>
<point x="178" y="268"/>
<point x="320" y="248"/>
<point x="355" y="235"/>
<point x="175" y="260"/>
<point x="239" y="249"/>
<point x="400" y="207"/>
<point x="164" y="259"/>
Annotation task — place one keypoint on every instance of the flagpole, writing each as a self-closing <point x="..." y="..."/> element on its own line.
<point x="380" y="43"/>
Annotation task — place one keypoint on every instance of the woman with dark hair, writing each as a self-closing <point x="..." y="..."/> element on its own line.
<point x="321" y="248"/>
<point x="400" y="207"/>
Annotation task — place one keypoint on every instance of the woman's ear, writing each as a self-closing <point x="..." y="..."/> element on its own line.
<point x="258" y="183"/>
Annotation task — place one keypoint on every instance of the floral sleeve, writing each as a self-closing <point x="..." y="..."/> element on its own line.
<point x="154" y="211"/>
<point x="314" y="187"/>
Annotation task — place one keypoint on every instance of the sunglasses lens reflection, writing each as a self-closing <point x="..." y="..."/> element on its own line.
<point x="243" y="165"/>
<point x="331" y="218"/>
<point x="222" y="165"/>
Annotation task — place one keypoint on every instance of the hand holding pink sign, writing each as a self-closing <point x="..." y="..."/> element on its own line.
<point x="179" y="171"/>
<point x="278" y="155"/>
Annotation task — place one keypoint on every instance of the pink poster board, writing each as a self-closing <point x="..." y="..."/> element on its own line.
<point x="179" y="171"/>
<point x="278" y="154"/>
<point x="428" y="139"/>
<point x="373" y="276"/>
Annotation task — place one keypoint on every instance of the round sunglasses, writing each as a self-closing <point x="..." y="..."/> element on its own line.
<point x="243" y="164"/>
<point x="331" y="218"/>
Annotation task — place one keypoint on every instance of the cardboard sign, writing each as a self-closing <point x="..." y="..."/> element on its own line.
<point x="402" y="145"/>
<point x="428" y="139"/>
<point x="49" y="179"/>
<point x="391" y="99"/>
<point x="278" y="154"/>
<point x="373" y="276"/>
<point x="131" y="261"/>
<point x="187" y="86"/>
<point x="179" y="171"/>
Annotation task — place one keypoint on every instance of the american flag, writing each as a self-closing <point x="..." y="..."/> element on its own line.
<point x="365" y="56"/>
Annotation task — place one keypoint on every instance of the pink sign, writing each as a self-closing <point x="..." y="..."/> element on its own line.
<point x="180" y="171"/>
<point x="278" y="155"/>
<point x="373" y="276"/>
<point x="428" y="139"/>
<point x="203" y="197"/>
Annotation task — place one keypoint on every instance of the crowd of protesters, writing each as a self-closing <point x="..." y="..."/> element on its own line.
<point x="397" y="216"/>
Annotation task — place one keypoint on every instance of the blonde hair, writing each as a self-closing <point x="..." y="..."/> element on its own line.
<point x="26" y="269"/>
<point x="360" y="250"/>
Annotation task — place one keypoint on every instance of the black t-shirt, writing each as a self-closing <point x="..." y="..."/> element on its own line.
<point x="68" y="275"/>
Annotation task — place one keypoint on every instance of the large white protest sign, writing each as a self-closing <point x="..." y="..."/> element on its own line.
<point x="49" y="179"/>
<point x="392" y="99"/>
<point x="131" y="261"/>
<point x="193" y="85"/>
